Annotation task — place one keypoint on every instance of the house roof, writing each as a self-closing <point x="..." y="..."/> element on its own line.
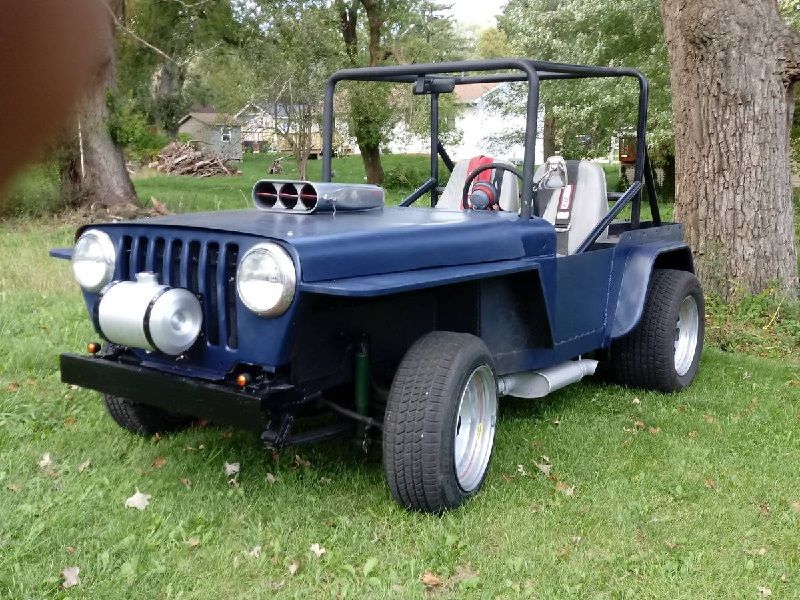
<point x="471" y="92"/>
<point x="210" y="118"/>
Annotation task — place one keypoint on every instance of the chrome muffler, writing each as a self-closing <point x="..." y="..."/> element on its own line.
<point x="537" y="384"/>
<point x="143" y="314"/>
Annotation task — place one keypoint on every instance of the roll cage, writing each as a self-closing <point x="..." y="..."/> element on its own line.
<point x="435" y="79"/>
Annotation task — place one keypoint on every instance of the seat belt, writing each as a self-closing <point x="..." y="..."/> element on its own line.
<point x="564" y="218"/>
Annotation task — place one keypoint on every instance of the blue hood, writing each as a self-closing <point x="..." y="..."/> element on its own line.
<point x="335" y="246"/>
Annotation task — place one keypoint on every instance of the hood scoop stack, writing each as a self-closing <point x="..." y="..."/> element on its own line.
<point x="305" y="198"/>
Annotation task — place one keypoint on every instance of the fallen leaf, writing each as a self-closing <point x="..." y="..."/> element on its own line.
<point x="430" y="580"/>
<point x="521" y="470"/>
<point x="567" y="490"/>
<point x="254" y="552"/>
<point x="193" y="542"/>
<point x="556" y="422"/>
<point x="159" y="463"/>
<point x="693" y="435"/>
<point x="325" y="480"/>
<point x="636" y="401"/>
<point x="70" y="421"/>
<point x="12" y="487"/>
<point x="639" y="425"/>
<point x="156" y="438"/>
<point x="317" y="550"/>
<point x="74" y="387"/>
<point x="45" y="462"/>
<point x="12" y="387"/>
<point x="159" y="207"/>
<point x="764" y="592"/>
<point x="301" y="462"/>
<point x="709" y="418"/>
<point x="784" y="578"/>
<point x="139" y="501"/>
<point x="544" y="468"/>
<point x="70" y="550"/>
<point x="231" y="469"/>
<point x="276" y="585"/>
<point x="70" y="577"/>
<point x="233" y="482"/>
<point x="293" y="567"/>
<point x="762" y="551"/>
<point x="671" y="545"/>
<point x="186" y="482"/>
<point x="764" y="508"/>
<point x="271" y="479"/>
<point x="84" y="465"/>
<point x="576" y="539"/>
<point x="711" y="484"/>
<point x="796" y="506"/>
<point x="655" y="430"/>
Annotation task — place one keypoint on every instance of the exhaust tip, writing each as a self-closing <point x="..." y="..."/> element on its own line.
<point x="265" y="195"/>
<point x="288" y="196"/>
<point x="309" y="196"/>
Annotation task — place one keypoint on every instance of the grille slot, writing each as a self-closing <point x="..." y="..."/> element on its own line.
<point x="205" y="268"/>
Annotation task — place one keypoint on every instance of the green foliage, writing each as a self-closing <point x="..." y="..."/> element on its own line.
<point x="132" y="130"/>
<point x="406" y="176"/>
<point x="33" y="192"/>
<point x="493" y="43"/>
<point x="621" y="33"/>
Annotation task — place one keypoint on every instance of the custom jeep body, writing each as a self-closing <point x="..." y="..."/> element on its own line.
<point x="407" y="321"/>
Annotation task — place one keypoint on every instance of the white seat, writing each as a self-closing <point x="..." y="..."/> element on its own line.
<point x="589" y="204"/>
<point x="452" y="195"/>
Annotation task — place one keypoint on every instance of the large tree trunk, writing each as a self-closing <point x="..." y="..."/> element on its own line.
<point x="93" y="167"/>
<point x="733" y="63"/>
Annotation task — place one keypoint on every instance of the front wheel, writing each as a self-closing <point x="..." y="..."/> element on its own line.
<point x="663" y="352"/>
<point x="440" y="421"/>
<point x="142" y="419"/>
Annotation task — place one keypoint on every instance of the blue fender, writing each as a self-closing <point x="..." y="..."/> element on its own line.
<point x="639" y="262"/>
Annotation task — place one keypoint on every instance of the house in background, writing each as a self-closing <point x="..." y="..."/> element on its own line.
<point x="219" y="133"/>
<point x="482" y="128"/>
<point x="269" y="127"/>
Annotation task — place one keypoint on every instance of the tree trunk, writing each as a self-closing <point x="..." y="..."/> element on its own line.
<point x="92" y="168"/>
<point x="549" y="137"/>
<point x="371" y="155"/>
<point x="733" y="63"/>
<point x="166" y="85"/>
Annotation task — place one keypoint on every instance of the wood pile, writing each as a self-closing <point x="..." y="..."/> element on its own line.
<point x="185" y="159"/>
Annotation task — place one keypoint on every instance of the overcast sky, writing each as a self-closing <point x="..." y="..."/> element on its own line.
<point x="477" y="12"/>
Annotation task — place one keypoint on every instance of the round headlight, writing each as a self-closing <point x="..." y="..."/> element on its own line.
<point x="93" y="260"/>
<point x="266" y="280"/>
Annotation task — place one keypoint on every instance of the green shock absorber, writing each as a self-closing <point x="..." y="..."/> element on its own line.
<point x="362" y="387"/>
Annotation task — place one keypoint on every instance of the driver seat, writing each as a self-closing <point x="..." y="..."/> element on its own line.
<point x="451" y="196"/>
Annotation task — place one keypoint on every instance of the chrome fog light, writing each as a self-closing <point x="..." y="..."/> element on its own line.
<point x="144" y="314"/>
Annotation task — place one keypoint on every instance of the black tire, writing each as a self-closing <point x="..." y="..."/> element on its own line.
<point x="646" y="357"/>
<point x="419" y="429"/>
<point x="142" y="419"/>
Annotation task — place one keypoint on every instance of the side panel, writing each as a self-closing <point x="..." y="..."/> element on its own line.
<point x="638" y="262"/>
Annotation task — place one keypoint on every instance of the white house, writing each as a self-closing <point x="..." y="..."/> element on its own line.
<point x="482" y="127"/>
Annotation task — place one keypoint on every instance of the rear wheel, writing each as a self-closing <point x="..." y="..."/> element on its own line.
<point x="142" y="419"/>
<point x="663" y="352"/>
<point x="439" y="427"/>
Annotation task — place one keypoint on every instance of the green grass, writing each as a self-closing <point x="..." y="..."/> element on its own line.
<point x="699" y="506"/>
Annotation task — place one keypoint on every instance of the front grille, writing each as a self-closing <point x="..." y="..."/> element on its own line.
<point x="207" y="268"/>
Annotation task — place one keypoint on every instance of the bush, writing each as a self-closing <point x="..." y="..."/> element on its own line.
<point x="130" y="129"/>
<point x="33" y="192"/>
<point x="404" y="177"/>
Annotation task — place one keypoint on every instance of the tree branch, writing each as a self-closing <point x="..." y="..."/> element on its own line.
<point x="791" y="55"/>
<point x="131" y="33"/>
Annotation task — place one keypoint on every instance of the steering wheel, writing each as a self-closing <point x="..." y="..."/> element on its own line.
<point x="487" y="190"/>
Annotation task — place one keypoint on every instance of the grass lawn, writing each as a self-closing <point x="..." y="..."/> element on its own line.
<point x="689" y="496"/>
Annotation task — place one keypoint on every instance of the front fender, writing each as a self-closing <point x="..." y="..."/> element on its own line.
<point x="638" y="266"/>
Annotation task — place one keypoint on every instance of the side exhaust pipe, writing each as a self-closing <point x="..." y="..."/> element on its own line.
<point x="538" y="384"/>
<point x="303" y="197"/>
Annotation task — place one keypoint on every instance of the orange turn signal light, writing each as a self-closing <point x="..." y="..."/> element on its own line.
<point x="242" y="380"/>
<point x="93" y="347"/>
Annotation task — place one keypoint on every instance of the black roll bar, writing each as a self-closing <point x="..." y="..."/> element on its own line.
<point x="483" y="71"/>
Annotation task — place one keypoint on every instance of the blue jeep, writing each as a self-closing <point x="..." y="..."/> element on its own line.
<point x="409" y="321"/>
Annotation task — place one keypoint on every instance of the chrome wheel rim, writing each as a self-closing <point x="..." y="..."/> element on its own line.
<point x="687" y="330"/>
<point x="474" y="429"/>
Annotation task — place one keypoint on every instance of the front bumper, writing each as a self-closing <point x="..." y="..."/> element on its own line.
<point x="223" y="404"/>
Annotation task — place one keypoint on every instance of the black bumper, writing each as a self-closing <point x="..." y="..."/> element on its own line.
<point x="222" y="404"/>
